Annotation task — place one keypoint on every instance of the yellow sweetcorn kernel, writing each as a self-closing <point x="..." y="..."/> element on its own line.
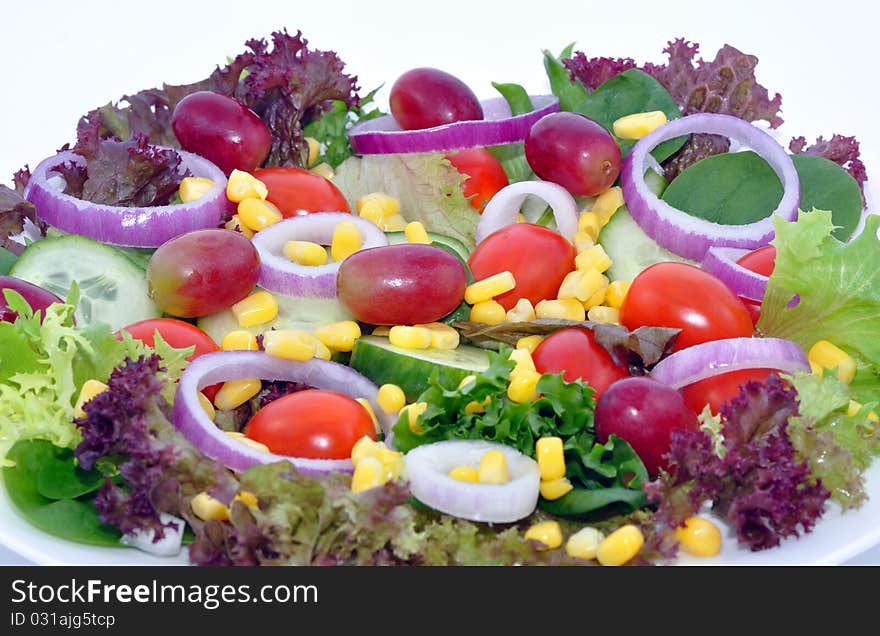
<point x="369" y="473"/>
<point x="394" y="223"/>
<point x="523" y="360"/>
<point x="235" y="225"/>
<point x="607" y="204"/>
<point x="248" y="498"/>
<point x="305" y="252"/>
<point x="465" y="473"/>
<point x="594" y="257"/>
<point x="520" y="217"/>
<point x="522" y="386"/>
<point x="699" y="537"/>
<point x="489" y="287"/>
<point x="854" y="407"/>
<point x="388" y="205"/>
<point x="616" y="293"/>
<point x="247" y="441"/>
<point x="390" y="398"/>
<point x="522" y="311"/>
<point x="314" y="151"/>
<point x="364" y="402"/>
<point x="238" y="340"/>
<point x="829" y="356"/>
<point x="410" y="337"/>
<point x="321" y="350"/>
<point x="194" y="188"/>
<point x="346" y="240"/>
<point x="604" y="314"/>
<point x="324" y="169"/>
<point x="597" y="298"/>
<point x="816" y="368"/>
<point x="621" y="546"/>
<point x="373" y="213"/>
<point x="243" y="185"/>
<point x="582" y="241"/>
<point x="562" y="308"/>
<point x="638" y="125"/>
<point x="256" y="309"/>
<point x="550" y="457"/>
<point x="474" y="407"/>
<point x="589" y="224"/>
<point x="381" y="330"/>
<point x="489" y="312"/>
<point x="547" y="533"/>
<point x="207" y="407"/>
<point x="290" y="344"/>
<point x="582" y="284"/>
<point x="493" y="468"/>
<point x="339" y="336"/>
<point x="392" y="461"/>
<point x="206" y="508"/>
<point x="415" y="233"/>
<point x="529" y="343"/>
<point x="554" y="489"/>
<point x="584" y="543"/>
<point x="442" y="335"/>
<point x="234" y="393"/>
<point x="257" y="214"/>
<point x="413" y="411"/>
<point x="89" y="389"/>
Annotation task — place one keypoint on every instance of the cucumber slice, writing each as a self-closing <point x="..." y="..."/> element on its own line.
<point x="630" y="249"/>
<point x="410" y="369"/>
<point x="112" y="289"/>
<point x="294" y="312"/>
<point x="440" y="240"/>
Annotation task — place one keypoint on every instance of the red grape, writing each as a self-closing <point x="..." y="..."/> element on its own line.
<point x="402" y="284"/>
<point x="202" y="272"/>
<point x="221" y="129"/>
<point x="428" y="97"/>
<point x="37" y="297"/>
<point x="573" y="151"/>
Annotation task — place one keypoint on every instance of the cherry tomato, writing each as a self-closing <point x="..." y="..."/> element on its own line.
<point x="314" y="423"/>
<point x="761" y="261"/>
<point x="485" y="174"/>
<point x="680" y="295"/>
<point x="538" y="257"/>
<point x="297" y="191"/>
<point x="575" y="352"/>
<point x="718" y="389"/>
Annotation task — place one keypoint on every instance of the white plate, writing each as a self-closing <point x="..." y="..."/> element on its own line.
<point x="61" y="60"/>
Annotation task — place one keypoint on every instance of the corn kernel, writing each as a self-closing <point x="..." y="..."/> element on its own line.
<point x="339" y="336"/>
<point x="607" y="204"/>
<point x="324" y="169"/>
<point x="465" y="473"/>
<point x="621" y="546"/>
<point x="488" y="288"/>
<point x="194" y="188"/>
<point x="547" y="533"/>
<point x="392" y="461"/>
<point x="248" y="498"/>
<point x="522" y="311"/>
<point x="290" y="344"/>
<point x="388" y="204"/>
<point x="257" y="214"/>
<point x="442" y="335"/>
<point x="584" y="543"/>
<point x="346" y="240"/>
<point x="394" y="223"/>
<point x="523" y="360"/>
<point x="413" y="411"/>
<point x="369" y="473"/>
<point x="305" y="253"/>
<point x="563" y="308"/>
<point x="321" y="350"/>
<point x="256" y="309"/>
<point x="206" y="508"/>
<point x="522" y="386"/>
<point x="466" y="380"/>
<point x="604" y="314"/>
<point x="234" y="393"/>
<point x="415" y="233"/>
<point x="243" y="185"/>
<point x="554" y="489"/>
<point x="89" y="389"/>
<point x="828" y="356"/>
<point x="616" y="293"/>
<point x="589" y="224"/>
<point x="582" y="241"/>
<point x="699" y="537"/>
<point x="489" y="312"/>
<point x="364" y="402"/>
<point x="597" y="298"/>
<point x="247" y="441"/>
<point x="816" y="368"/>
<point x="474" y="407"/>
<point x="373" y="213"/>
<point x="550" y="457"/>
<point x="409" y="337"/>
<point x="493" y="468"/>
<point x="207" y="407"/>
<point x="529" y="343"/>
<point x="390" y="398"/>
<point x="521" y="218"/>
<point x="854" y="407"/>
<point x="381" y="330"/>
<point x="638" y="125"/>
<point x="314" y="151"/>
<point x="239" y="340"/>
<point x="234" y="224"/>
<point x="582" y="284"/>
<point x="594" y="257"/>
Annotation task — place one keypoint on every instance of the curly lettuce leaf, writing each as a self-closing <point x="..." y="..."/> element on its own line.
<point x="14" y="212"/>
<point x="331" y="128"/>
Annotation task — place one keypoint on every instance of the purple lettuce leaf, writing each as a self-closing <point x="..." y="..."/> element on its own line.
<point x="14" y="210"/>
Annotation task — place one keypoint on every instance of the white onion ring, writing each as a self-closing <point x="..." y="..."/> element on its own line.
<point x="709" y="359"/>
<point x="690" y="236"/>
<point x="279" y="274"/>
<point x="383" y="135"/>
<point x="427" y="469"/>
<point x="211" y="368"/>
<point x="147" y="226"/>
<point x="722" y="262"/>
<point x="502" y="208"/>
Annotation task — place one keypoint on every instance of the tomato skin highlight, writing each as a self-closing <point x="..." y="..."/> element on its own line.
<point x="314" y="423"/>
<point x="717" y="390"/>
<point x="683" y="296"/>
<point x="575" y="353"/>
<point x="297" y="191"/>
<point x="485" y="175"/>
<point x="538" y="257"/>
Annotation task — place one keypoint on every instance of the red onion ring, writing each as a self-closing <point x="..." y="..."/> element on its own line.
<point x="690" y="236"/>
<point x="502" y="208"/>
<point x="427" y="469"/>
<point x="191" y="420"/>
<point x="722" y="262"/>
<point x="383" y="135"/>
<point x="709" y="359"/>
<point x="134" y="227"/>
<point x="279" y="274"/>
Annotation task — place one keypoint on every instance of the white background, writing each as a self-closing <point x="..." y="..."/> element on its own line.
<point x="61" y="59"/>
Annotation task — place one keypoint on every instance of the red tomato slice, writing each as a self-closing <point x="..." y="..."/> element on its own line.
<point x="718" y="389"/>
<point x="296" y="191"/>
<point x="314" y="423"/>
<point x="485" y="174"/>
<point x="575" y="353"/>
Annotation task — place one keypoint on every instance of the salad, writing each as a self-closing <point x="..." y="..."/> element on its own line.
<point x="255" y="319"/>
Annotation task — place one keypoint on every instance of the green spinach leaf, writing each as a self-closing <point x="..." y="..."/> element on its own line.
<point x="827" y="186"/>
<point x="517" y="98"/>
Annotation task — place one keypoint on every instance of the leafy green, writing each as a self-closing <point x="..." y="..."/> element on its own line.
<point x="7" y="258"/>
<point x="571" y="94"/>
<point x="825" y="185"/>
<point x="331" y="128"/>
<point x="513" y="160"/>
<point x="517" y="97"/>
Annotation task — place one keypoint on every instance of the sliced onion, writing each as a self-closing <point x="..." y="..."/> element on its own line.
<point x="279" y="274"/>
<point x="383" y="135"/>
<point x="690" y="236"/>
<point x="722" y="262"/>
<point x="211" y="368"/>
<point x="128" y="226"/>
<point x="709" y="359"/>
<point x="427" y="469"/>
<point x="502" y="208"/>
